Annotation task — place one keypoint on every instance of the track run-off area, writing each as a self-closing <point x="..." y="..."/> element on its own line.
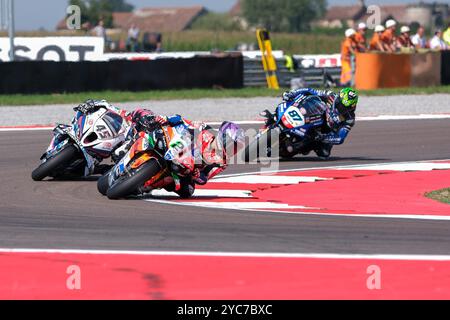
<point x="311" y="229"/>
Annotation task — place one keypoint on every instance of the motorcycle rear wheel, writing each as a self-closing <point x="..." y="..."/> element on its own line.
<point x="103" y="183"/>
<point x="129" y="184"/>
<point x="62" y="158"/>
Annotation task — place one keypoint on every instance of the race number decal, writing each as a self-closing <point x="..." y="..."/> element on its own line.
<point x="293" y="118"/>
<point x="102" y="131"/>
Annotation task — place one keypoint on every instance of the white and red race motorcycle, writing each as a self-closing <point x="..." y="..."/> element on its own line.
<point x="76" y="149"/>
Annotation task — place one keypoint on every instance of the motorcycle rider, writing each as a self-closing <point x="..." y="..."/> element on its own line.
<point x="90" y="106"/>
<point x="339" y="117"/>
<point x="211" y="150"/>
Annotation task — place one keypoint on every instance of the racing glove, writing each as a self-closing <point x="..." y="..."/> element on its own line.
<point x="162" y="120"/>
<point x="288" y="96"/>
<point x="269" y="117"/>
<point x="86" y="107"/>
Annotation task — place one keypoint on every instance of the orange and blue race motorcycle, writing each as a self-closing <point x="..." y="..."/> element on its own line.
<point x="160" y="158"/>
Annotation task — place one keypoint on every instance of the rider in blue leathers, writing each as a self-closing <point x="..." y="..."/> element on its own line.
<point x="339" y="117"/>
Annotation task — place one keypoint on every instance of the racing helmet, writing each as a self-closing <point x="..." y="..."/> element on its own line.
<point x="230" y="139"/>
<point x="347" y="100"/>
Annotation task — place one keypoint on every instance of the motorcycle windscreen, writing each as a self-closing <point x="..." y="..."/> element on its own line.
<point x="113" y="121"/>
<point x="312" y="105"/>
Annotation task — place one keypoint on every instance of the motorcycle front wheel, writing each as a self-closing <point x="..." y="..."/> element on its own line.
<point x="260" y="147"/>
<point x="128" y="185"/>
<point x="103" y="183"/>
<point x="59" y="160"/>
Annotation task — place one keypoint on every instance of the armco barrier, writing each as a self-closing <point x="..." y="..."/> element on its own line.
<point x="47" y="77"/>
<point x="254" y="75"/>
<point x="382" y="70"/>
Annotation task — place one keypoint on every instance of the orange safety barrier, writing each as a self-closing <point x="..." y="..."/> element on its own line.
<point x="381" y="70"/>
<point x="392" y="70"/>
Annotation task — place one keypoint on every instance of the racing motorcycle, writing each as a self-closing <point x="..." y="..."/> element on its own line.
<point x="155" y="155"/>
<point x="76" y="149"/>
<point x="292" y="128"/>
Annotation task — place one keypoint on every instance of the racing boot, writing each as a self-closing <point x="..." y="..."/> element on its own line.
<point x="323" y="150"/>
<point x="186" y="189"/>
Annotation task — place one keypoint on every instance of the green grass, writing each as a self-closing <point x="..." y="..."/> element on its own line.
<point x="292" y="43"/>
<point x="126" y="96"/>
<point x="223" y="39"/>
<point x="442" y="195"/>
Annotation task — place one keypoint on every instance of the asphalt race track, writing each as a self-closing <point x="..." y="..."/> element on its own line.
<point x="72" y="214"/>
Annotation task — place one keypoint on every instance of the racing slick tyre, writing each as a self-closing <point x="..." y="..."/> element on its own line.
<point x="128" y="185"/>
<point x="287" y="155"/>
<point x="103" y="183"/>
<point x="61" y="159"/>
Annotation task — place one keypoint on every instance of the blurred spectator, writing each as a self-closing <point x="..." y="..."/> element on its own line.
<point x="100" y="31"/>
<point x="348" y="49"/>
<point x="360" y="37"/>
<point x="86" y="27"/>
<point x="133" y="38"/>
<point x="446" y="36"/>
<point x="436" y="42"/>
<point x="151" y="41"/>
<point x="375" y="42"/>
<point x="404" y="40"/>
<point x="388" y="36"/>
<point x="419" y="40"/>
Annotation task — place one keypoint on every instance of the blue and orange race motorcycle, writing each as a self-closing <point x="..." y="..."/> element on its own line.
<point x="292" y="129"/>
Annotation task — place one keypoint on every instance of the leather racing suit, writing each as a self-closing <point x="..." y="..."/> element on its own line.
<point x="338" y="121"/>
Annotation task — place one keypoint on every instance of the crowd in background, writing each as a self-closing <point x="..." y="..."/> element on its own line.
<point x="147" y="42"/>
<point x="386" y="39"/>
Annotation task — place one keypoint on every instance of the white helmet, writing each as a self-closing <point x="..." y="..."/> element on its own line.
<point x="404" y="29"/>
<point x="362" y="25"/>
<point x="379" y="28"/>
<point x="349" y="32"/>
<point x="390" y="23"/>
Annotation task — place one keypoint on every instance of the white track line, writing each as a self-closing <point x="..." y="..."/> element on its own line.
<point x="350" y="166"/>
<point x="321" y="214"/>
<point x="406" y="257"/>
<point x="208" y="193"/>
<point x="242" y="205"/>
<point x="415" y="166"/>
<point x="246" y="122"/>
<point x="270" y="179"/>
<point x="11" y="129"/>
